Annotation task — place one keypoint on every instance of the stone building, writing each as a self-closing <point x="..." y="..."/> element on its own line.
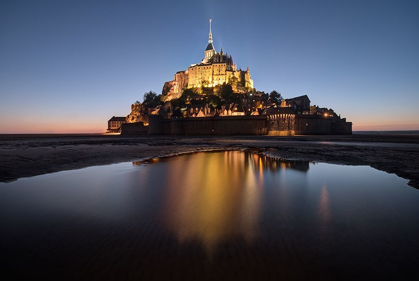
<point x="115" y="124"/>
<point x="215" y="69"/>
<point x="315" y="110"/>
<point x="301" y="104"/>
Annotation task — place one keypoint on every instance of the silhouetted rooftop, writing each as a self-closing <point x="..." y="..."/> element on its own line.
<point x="117" y="118"/>
<point x="210" y="47"/>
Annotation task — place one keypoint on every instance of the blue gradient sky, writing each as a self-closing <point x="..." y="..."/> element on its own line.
<point x="68" y="66"/>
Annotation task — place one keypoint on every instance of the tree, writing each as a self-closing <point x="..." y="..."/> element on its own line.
<point x="185" y="98"/>
<point x="275" y="97"/>
<point x="226" y="91"/>
<point x="177" y="103"/>
<point x="236" y="98"/>
<point x="151" y="99"/>
<point x="217" y="90"/>
<point x="214" y="101"/>
<point x="206" y="91"/>
<point x="187" y="94"/>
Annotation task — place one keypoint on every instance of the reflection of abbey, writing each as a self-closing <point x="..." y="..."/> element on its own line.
<point x="214" y="69"/>
<point x="213" y="97"/>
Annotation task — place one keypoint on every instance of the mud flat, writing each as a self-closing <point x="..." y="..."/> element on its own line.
<point x="31" y="155"/>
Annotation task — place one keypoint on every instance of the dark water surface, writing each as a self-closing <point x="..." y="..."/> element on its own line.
<point x="211" y="216"/>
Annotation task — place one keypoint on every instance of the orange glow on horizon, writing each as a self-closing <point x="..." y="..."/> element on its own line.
<point x="396" y="127"/>
<point x="88" y="126"/>
<point x="53" y="128"/>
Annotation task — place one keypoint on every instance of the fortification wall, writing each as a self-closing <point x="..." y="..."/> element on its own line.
<point x="312" y="125"/>
<point x="278" y="125"/>
<point x="134" y="129"/>
<point x="158" y="125"/>
<point x="342" y="127"/>
<point x="318" y="125"/>
<point x="231" y="125"/>
<point x="281" y="124"/>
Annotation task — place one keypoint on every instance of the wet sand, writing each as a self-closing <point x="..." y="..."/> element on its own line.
<point x="31" y="155"/>
<point x="71" y="246"/>
<point x="258" y="219"/>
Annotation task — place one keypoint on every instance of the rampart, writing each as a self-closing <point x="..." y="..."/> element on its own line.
<point x="136" y="128"/>
<point x="319" y="125"/>
<point x="281" y="122"/>
<point x="231" y="125"/>
<point x="276" y="123"/>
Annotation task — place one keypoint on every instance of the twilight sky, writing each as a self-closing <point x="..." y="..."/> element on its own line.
<point x="68" y="66"/>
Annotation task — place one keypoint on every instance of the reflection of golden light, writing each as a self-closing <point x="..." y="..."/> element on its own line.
<point x="211" y="197"/>
<point x="324" y="208"/>
<point x="211" y="202"/>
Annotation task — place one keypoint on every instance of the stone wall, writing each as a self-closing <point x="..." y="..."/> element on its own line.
<point x="158" y="125"/>
<point x="319" y="125"/>
<point x="281" y="124"/>
<point x="232" y="125"/>
<point x="137" y="128"/>
<point x="277" y="124"/>
<point x="312" y="125"/>
<point x="341" y="127"/>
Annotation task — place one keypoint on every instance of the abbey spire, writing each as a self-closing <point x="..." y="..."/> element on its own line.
<point x="214" y="70"/>
<point x="210" y="50"/>
<point x="210" y="34"/>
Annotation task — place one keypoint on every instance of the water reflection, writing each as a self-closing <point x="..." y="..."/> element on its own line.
<point x="258" y="160"/>
<point x="257" y="218"/>
<point x="212" y="201"/>
<point x="324" y="209"/>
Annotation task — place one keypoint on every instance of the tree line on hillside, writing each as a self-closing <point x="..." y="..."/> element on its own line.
<point x="214" y="97"/>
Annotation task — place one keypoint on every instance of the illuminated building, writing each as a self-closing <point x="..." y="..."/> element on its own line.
<point x="215" y="69"/>
<point x="115" y="123"/>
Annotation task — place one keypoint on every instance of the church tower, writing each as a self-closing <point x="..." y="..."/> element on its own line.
<point x="210" y="50"/>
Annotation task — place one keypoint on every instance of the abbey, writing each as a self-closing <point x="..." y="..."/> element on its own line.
<point x="215" y="69"/>
<point x="198" y="101"/>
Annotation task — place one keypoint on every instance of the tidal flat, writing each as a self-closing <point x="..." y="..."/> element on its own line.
<point x="221" y="215"/>
<point x="31" y="155"/>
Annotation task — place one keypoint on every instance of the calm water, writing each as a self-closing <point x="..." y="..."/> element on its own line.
<point x="211" y="216"/>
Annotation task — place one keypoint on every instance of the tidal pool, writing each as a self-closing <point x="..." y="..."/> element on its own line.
<point x="211" y="216"/>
